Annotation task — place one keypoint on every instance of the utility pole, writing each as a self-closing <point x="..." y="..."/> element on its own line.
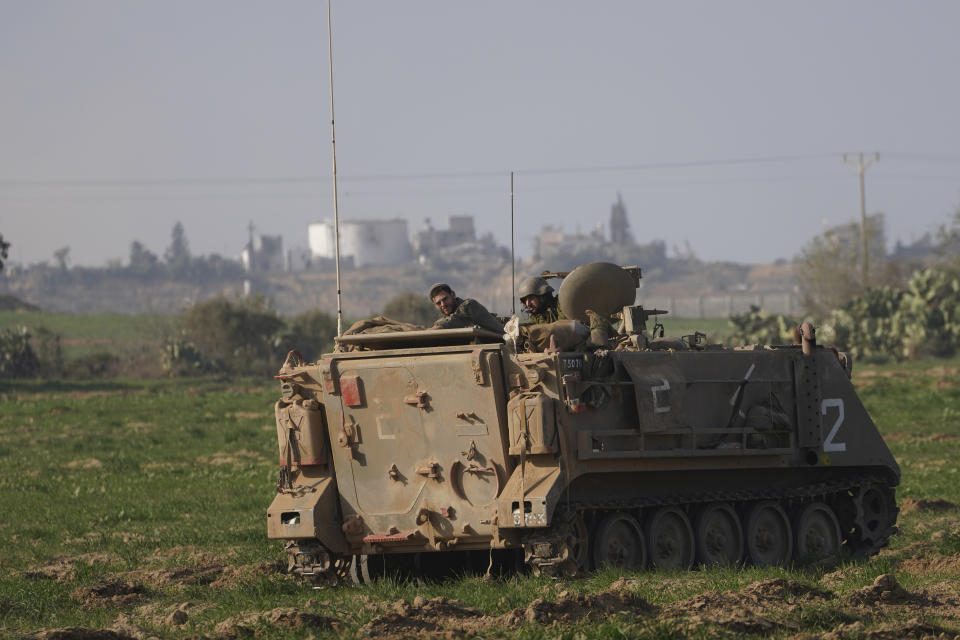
<point x="861" y="166"/>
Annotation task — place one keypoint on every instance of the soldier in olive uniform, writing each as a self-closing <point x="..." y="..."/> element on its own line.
<point x="537" y="298"/>
<point x="459" y="312"/>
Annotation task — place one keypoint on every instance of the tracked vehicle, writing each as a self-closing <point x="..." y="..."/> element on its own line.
<point x="641" y="451"/>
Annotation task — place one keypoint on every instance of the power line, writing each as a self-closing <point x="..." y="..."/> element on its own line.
<point x="452" y="175"/>
<point x="138" y="182"/>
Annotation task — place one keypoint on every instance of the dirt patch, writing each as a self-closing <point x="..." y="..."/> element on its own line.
<point x="79" y="633"/>
<point x="235" y="576"/>
<point x="926" y="565"/>
<point x="87" y="463"/>
<point x="886" y="590"/>
<point x="82" y="395"/>
<point x="182" y="576"/>
<point x="170" y="616"/>
<point x="125" y="625"/>
<point x="215" y="574"/>
<point x="773" y="592"/>
<point x="110" y="593"/>
<point x="451" y="618"/>
<point x="910" y="505"/>
<point x="941" y="525"/>
<point x="857" y="631"/>
<point x="247" y="415"/>
<point x="189" y="554"/>
<point x="572" y="607"/>
<point x="425" y="616"/>
<point x="221" y="457"/>
<point x="257" y="624"/>
<point x="63" y="567"/>
<point x="746" y="610"/>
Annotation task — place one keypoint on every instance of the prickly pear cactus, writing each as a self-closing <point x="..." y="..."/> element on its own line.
<point x="930" y="314"/>
<point x="759" y="327"/>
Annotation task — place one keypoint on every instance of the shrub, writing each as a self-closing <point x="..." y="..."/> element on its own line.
<point x="17" y="358"/>
<point x="929" y="316"/>
<point x="220" y="335"/>
<point x="759" y="327"/>
<point x="411" y="307"/>
<point x="868" y="326"/>
<point x="311" y="333"/>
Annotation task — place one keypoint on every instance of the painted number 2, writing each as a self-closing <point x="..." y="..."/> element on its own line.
<point x="828" y="443"/>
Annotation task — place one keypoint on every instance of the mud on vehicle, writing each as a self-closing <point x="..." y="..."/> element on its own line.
<point x="641" y="451"/>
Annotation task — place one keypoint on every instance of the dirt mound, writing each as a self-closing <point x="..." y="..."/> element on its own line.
<point x="110" y="593"/>
<point x="124" y="625"/>
<point x="85" y="463"/>
<point x="745" y="611"/>
<point x="236" y="457"/>
<point x="451" y="618"/>
<point x="763" y="594"/>
<point x="936" y="504"/>
<point x="884" y="590"/>
<point x="189" y="554"/>
<point x="571" y="607"/>
<point x="62" y="567"/>
<point x="425" y="616"/>
<point x="922" y="565"/>
<point x="857" y="631"/>
<point x="234" y="576"/>
<point x="78" y="633"/>
<point x="255" y="624"/>
<point x="191" y="575"/>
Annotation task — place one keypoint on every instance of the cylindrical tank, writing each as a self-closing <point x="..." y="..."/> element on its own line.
<point x="370" y="243"/>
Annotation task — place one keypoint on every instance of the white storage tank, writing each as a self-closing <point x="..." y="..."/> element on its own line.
<point x="371" y="243"/>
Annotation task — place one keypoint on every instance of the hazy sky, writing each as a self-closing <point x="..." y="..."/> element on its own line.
<point x="119" y="118"/>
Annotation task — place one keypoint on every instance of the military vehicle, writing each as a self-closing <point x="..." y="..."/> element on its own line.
<point x="637" y="451"/>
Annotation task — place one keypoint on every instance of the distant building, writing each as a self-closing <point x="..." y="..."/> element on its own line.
<point x="552" y="242"/>
<point x="619" y="223"/>
<point x="457" y="246"/>
<point x="365" y="243"/>
<point x="262" y="253"/>
<point x="428" y="241"/>
<point x="920" y="250"/>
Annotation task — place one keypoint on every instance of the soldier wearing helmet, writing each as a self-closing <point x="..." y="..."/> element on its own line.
<point x="537" y="298"/>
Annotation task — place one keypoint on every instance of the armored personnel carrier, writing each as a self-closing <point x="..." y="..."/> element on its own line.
<point x="639" y="451"/>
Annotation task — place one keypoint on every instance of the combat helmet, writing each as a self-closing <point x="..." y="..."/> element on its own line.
<point x="533" y="286"/>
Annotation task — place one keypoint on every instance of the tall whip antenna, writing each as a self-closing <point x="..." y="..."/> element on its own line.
<point x="513" y="258"/>
<point x="336" y="204"/>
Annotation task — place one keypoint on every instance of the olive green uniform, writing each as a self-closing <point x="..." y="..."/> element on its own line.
<point x="550" y="313"/>
<point x="468" y="313"/>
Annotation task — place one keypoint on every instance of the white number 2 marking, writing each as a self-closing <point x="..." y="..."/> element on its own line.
<point x="828" y="444"/>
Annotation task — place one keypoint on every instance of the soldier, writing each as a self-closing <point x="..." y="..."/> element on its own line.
<point x="538" y="299"/>
<point x="458" y="312"/>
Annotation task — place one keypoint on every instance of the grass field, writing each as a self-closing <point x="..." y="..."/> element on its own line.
<point x="138" y="506"/>
<point x="120" y="334"/>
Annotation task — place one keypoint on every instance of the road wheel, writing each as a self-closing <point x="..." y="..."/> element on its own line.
<point x="876" y="513"/>
<point x="768" y="535"/>
<point x="619" y="542"/>
<point x="671" y="539"/>
<point x="817" y="534"/>
<point x="719" y="535"/>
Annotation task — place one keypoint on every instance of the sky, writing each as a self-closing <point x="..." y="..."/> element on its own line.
<point x="722" y="124"/>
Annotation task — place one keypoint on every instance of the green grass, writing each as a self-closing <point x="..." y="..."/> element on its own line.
<point x="85" y="334"/>
<point x="179" y="473"/>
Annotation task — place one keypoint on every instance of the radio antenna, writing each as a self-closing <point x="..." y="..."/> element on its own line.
<point x="513" y="258"/>
<point x="336" y="207"/>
